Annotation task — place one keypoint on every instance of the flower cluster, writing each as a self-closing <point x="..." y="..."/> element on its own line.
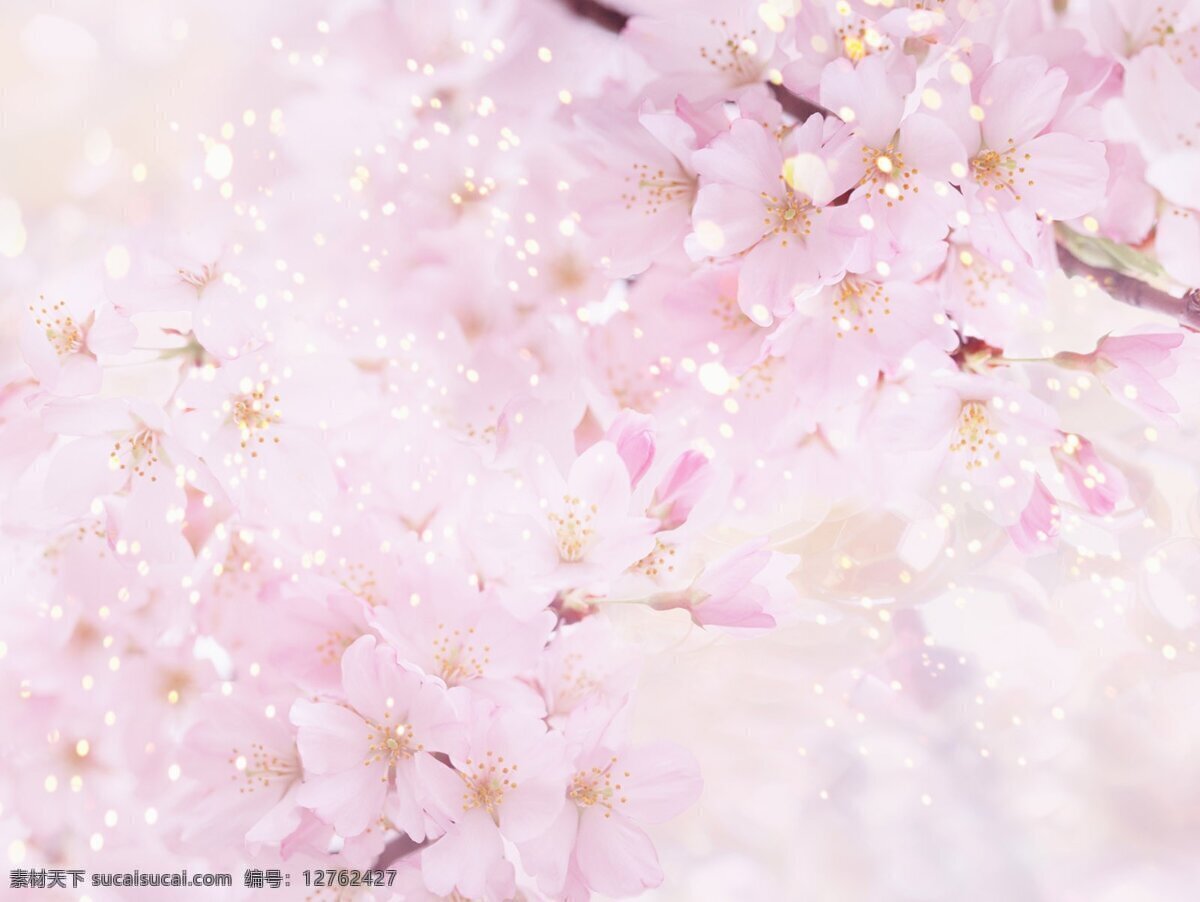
<point x="438" y="336"/>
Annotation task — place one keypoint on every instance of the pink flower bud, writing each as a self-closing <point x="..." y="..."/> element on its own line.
<point x="1039" y="522"/>
<point x="745" y="589"/>
<point x="683" y="485"/>
<point x="1097" y="484"/>
<point x="633" y="434"/>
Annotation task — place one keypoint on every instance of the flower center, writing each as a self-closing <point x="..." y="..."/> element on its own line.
<point x="855" y="303"/>
<point x="975" y="436"/>
<point x="575" y="683"/>
<point x="736" y="55"/>
<point x="659" y="561"/>
<point x="860" y="40"/>
<point x="390" y="742"/>
<point x="983" y="284"/>
<point x="138" y="452"/>
<point x="485" y="782"/>
<point x="330" y="649"/>
<point x="788" y="215"/>
<point x="884" y="173"/>
<point x="987" y="162"/>
<point x="175" y="683"/>
<point x="1167" y="32"/>
<point x="596" y="786"/>
<point x="198" y="280"/>
<point x="253" y="413"/>
<point x="652" y="189"/>
<point x="457" y="657"/>
<point x="64" y="334"/>
<point x="359" y="579"/>
<point x="572" y="531"/>
<point x="1001" y="171"/>
<point x="260" y="768"/>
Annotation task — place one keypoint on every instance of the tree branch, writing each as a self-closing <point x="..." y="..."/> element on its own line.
<point x="607" y="18"/>
<point x="1135" y="292"/>
<point x="398" y="848"/>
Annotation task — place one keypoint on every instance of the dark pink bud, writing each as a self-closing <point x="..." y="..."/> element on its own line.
<point x="633" y="434"/>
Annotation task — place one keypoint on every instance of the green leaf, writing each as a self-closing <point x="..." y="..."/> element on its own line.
<point x="1106" y="254"/>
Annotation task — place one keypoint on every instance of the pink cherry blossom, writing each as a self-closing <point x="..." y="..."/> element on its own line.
<point x="507" y="782"/>
<point x="850" y="332"/>
<point x="586" y="529"/>
<point x="746" y="588"/>
<point x="584" y="664"/>
<point x="780" y="217"/>
<point x="361" y="755"/>
<point x="976" y="438"/>
<point x="1154" y="85"/>
<point x="1128" y="28"/>
<point x="903" y="157"/>
<point x="711" y="48"/>
<point x="597" y="844"/>
<point x="824" y="36"/>
<point x="1133" y="367"/>
<point x="1015" y="157"/>
<point x="247" y="775"/>
<point x="464" y="637"/>
<point x="645" y="168"/>
<point x="62" y="336"/>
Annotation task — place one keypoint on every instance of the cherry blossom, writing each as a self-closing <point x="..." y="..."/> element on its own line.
<point x="596" y="843"/>
<point x="431" y="434"/>
<point x="1013" y="156"/>
<point x="1133" y="367"/>
<point x="780" y="217"/>
<point x="507" y="782"/>
<point x="61" y="338"/>
<point x="361" y="755"/>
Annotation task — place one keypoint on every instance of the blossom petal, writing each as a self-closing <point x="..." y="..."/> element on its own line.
<point x="1065" y="175"/>
<point x="463" y="859"/>
<point x="663" y="780"/>
<point x="1019" y="98"/>
<point x="614" y="855"/>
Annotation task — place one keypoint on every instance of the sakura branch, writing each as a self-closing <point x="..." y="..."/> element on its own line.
<point x="1131" y="286"/>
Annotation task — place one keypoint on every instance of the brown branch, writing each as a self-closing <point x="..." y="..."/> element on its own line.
<point x="615" y="21"/>
<point x="607" y="18"/>
<point x="797" y="105"/>
<point x="398" y="848"/>
<point x="1135" y="292"/>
